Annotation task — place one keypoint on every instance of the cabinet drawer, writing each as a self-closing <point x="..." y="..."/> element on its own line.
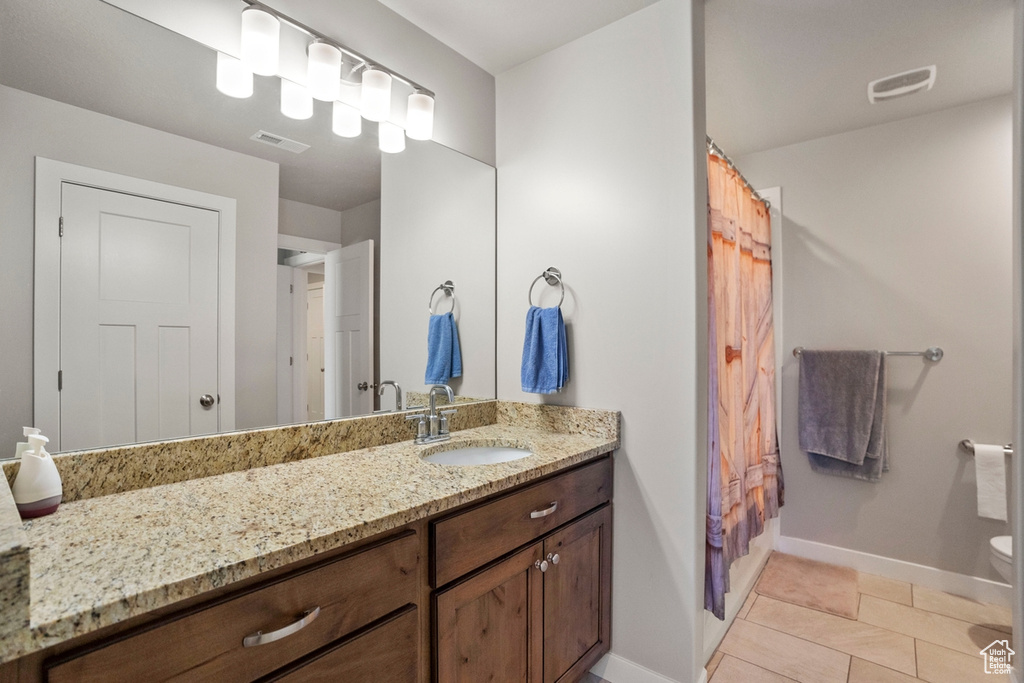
<point x="350" y="591"/>
<point x="386" y="653"/>
<point x="472" y="538"/>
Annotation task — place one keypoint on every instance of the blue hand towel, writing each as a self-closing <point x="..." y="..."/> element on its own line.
<point x="444" y="357"/>
<point x="545" y="352"/>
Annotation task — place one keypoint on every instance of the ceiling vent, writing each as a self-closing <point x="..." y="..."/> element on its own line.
<point x="898" y="85"/>
<point x="279" y="141"/>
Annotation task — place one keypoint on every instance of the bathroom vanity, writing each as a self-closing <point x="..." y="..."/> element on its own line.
<point x="365" y="564"/>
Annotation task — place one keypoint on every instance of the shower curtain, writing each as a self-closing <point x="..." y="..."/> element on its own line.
<point x="745" y="484"/>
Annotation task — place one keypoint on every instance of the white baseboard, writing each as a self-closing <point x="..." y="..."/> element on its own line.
<point x="617" y="669"/>
<point x="973" y="587"/>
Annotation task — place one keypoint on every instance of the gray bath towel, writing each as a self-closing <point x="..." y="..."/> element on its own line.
<point x="842" y="412"/>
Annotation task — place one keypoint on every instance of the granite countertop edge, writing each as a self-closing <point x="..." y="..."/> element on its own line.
<point x="404" y="498"/>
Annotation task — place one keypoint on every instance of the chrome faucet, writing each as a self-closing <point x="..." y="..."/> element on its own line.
<point x="398" y="392"/>
<point x="433" y="426"/>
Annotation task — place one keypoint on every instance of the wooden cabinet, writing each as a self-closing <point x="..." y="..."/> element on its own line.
<point x="382" y="653"/>
<point x="541" y="614"/>
<point x="211" y="643"/>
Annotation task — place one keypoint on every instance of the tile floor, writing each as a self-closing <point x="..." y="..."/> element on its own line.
<point x="902" y="633"/>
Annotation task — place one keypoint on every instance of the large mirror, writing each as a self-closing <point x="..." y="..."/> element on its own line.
<point x="171" y="268"/>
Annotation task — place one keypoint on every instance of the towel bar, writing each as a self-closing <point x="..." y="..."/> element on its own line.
<point x="968" y="445"/>
<point x="932" y="353"/>
<point x="449" y="289"/>
<point x="553" y="276"/>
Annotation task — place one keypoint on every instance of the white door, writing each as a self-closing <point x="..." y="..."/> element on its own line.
<point x="315" y="351"/>
<point x="138" y="319"/>
<point x="348" y="331"/>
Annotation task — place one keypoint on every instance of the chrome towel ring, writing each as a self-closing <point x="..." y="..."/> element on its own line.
<point x="449" y="289"/>
<point x="553" y="276"/>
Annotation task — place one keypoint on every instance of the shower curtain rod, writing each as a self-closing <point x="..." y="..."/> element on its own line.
<point x="713" y="148"/>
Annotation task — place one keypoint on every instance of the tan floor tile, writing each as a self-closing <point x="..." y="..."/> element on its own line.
<point x="742" y="614"/>
<point x="863" y="671"/>
<point x="879" y="645"/>
<point x="927" y="626"/>
<point x="733" y="670"/>
<point x="993" y="616"/>
<point x="941" y="665"/>
<point x="887" y="589"/>
<point x="784" y="654"/>
<point x="716" y="659"/>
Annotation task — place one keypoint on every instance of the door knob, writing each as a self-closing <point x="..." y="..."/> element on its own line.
<point x="206" y="400"/>
<point x="362" y="386"/>
<point x="542" y="565"/>
<point x="553" y="558"/>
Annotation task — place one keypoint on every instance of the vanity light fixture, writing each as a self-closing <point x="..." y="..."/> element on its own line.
<point x="391" y="137"/>
<point x="357" y="86"/>
<point x="233" y="78"/>
<point x="323" y="71"/>
<point x="296" y="102"/>
<point x="376" y="102"/>
<point x="347" y="122"/>
<point x="419" y="116"/>
<point x="261" y="41"/>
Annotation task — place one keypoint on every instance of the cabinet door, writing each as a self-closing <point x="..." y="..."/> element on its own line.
<point x="489" y="627"/>
<point x="577" y="597"/>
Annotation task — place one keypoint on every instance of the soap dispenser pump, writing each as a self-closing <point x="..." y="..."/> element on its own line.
<point x="23" y="445"/>
<point x="37" y="489"/>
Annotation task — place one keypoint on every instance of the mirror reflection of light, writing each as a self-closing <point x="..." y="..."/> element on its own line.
<point x="233" y="79"/>
<point x="296" y="102"/>
<point x="392" y="137"/>
<point x="347" y="123"/>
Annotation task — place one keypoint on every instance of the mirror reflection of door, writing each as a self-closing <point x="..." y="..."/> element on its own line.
<point x="315" y="348"/>
<point x="349" y="386"/>
<point x="138" y="334"/>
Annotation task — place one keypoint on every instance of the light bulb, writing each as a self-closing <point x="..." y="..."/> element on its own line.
<point x="347" y="121"/>
<point x="233" y="78"/>
<point x="261" y="41"/>
<point x="296" y="102"/>
<point x="376" y="99"/>
<point x="323" y="71"/>
<point x="419" y="117"/>
<point x="392" y="137"/>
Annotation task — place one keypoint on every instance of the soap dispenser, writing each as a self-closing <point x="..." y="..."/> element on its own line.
<point x="37" y="489"/>
<point x="23" y="445"/>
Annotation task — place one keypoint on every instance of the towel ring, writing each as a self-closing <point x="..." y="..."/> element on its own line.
<point x="553" y="276"/>
<point x="449" y="289"/>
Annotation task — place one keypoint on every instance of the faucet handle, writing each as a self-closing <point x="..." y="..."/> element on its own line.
<point x="421" y="427"/>
<point x="444" y="420"/>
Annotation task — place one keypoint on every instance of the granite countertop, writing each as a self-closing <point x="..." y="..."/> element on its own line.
<point x="105" y="559"/>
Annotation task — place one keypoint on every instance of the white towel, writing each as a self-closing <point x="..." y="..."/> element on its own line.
<point x="990" y="465"/>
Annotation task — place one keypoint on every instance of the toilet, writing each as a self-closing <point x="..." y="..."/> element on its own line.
<point x="1002" y="556"/>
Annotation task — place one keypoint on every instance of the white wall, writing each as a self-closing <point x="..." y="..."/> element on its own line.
<point x="899" y="237"/>
<point x="464" y="117"/>
<point x="34" y="126"/>
<point x="305" y="220"/>
<point x="600" y="175"/>
<point x="437" y="219"/>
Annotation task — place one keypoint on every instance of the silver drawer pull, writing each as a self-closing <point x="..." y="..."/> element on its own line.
<point x="261" y="638"/>
<point x="537" y="514"/>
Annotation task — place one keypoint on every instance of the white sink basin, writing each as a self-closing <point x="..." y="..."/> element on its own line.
<point x="477" y="455"/>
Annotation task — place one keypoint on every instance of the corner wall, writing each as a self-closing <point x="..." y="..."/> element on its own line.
<point x="898" y="237"/>
<point x="600" y="174"/>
